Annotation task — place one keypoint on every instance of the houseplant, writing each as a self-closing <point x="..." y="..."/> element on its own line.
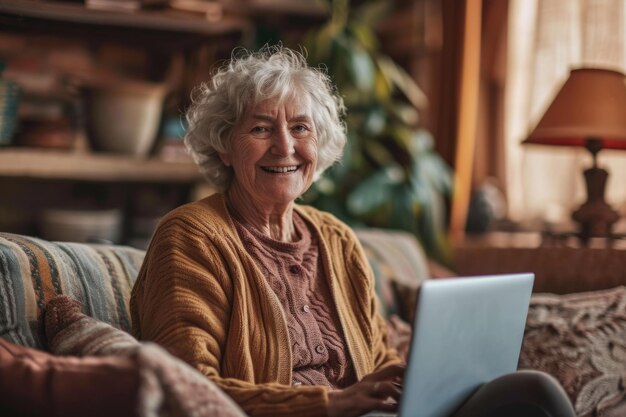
<point x="390" y="175"/>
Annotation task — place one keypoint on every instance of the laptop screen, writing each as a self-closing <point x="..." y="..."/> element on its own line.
<point x="467" y="331"/>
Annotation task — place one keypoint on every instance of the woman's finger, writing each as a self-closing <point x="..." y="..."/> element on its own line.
<point x="389" y="372"/>
<point x="379" y="390"/>
<point x="386" y="389"/>
<point x="383" y="405"/>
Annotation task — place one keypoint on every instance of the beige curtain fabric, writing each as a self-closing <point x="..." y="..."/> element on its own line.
<point x="546" y="39"/>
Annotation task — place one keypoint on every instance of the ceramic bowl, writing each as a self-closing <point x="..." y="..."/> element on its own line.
<point x="82" y="225"/>
<point x="124" y="117"/>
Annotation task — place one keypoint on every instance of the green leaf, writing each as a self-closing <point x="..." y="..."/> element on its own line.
<point x="375" y="121"/>
<point x="401" y="134"/>
<point x="364" y="36"/>
<point x="372" y="12"/>
<point x="319" y="43"/>
<point x="403" y="113"/>
<point x="373" y="192"/>
<point x="403" y="81"/>
<point x="378" y="153"/>
<point x="421" y="188"/>
<point x="402" y="216"/>
<point x="429" y="167"/>
<point x="383" y="89"/>
<point x="353" y="154"/>
<point x="438" y="173"/>
<point x="421" y="141"/>
<point x="361" y="69"/>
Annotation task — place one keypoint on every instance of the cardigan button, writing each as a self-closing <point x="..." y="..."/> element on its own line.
<point x="320" y="349"/>
<point x="294" y="269"/>
<point x="306" y="308"/>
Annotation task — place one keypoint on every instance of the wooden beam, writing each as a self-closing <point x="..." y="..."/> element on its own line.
<point x="467" y="118"/>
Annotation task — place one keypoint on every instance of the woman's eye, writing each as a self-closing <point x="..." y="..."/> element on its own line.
<point x="259" y="130"/>
<point x="300" y="128"/>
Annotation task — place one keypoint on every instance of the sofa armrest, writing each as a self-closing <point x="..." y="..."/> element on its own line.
<point x="399" y="264"/>
<point x="33" y="271"/>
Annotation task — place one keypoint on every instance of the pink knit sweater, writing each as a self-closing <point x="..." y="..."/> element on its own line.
<point x="296" y="275"/>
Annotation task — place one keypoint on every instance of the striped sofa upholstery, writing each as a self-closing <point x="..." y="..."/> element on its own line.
<point x="32" y="271"/>
<point x="100" y="277"/>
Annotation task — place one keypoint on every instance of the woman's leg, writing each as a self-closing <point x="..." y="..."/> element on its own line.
<point x="519" y="394"/>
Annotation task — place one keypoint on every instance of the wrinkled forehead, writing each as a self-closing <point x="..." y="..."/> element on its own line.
<point x="294" y="102"/>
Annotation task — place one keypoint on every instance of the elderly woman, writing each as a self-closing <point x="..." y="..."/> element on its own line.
<point x="272" y="300"/>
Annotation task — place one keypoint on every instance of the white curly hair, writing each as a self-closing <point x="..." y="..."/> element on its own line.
<point x="242" y="82"/>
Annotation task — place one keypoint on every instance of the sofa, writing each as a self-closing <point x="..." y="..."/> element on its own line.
<point x="65" y="300"/>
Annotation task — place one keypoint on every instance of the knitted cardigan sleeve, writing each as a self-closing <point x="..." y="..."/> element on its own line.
<point x="183" y="300"/>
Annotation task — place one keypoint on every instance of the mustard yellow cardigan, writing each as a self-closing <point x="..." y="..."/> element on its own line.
<point x="201" y="296"/>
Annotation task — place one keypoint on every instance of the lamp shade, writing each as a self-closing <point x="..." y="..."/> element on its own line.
<point x="590" y="105"/>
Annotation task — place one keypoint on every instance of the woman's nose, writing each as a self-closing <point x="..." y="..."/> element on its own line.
<point x="282" y="143"/>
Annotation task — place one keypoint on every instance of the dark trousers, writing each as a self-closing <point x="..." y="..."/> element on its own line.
<point x="519" y="394"/>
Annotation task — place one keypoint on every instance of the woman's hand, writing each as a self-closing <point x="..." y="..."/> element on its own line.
<point x="379" y="391"/>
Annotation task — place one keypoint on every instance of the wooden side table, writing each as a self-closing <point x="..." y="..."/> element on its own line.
<point x="558" y="269"/>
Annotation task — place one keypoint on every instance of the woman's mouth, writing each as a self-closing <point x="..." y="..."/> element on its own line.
<point x="281" y="170"/>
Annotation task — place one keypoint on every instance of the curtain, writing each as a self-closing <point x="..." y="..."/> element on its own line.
<point x="546" y="39"/>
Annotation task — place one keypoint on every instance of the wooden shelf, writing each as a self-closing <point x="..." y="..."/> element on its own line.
<point x="313" y="9"/>
<point x="82" y="166"/>
<point x="159" y="20"/>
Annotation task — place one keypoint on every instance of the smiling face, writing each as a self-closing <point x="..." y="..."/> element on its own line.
<point x="273" y="152"/>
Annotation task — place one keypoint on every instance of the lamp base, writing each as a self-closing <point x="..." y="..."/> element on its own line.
<point x="595" y="216"/>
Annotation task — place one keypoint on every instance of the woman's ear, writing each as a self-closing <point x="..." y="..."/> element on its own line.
<point x="225" y="158"/>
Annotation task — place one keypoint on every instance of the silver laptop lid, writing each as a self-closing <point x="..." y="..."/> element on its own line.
<point x="467" y="331"/>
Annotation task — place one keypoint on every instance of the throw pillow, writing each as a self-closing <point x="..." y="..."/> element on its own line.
<point x="167" y="386"/>
<point x="68" y="331"/>
<point x="181" y="390"/>
<point x="581" y="340"/>
<point x="35" y="383"/>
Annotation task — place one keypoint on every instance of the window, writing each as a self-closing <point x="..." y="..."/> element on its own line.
<point x="546" y="38"/>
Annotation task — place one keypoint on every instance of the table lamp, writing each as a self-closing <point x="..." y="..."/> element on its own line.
<point x="590" y="111"/>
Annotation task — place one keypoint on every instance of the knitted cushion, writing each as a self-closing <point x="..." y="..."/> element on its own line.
<point x="70" y="332"/>
<point x="33" y="271"/>
<point x="581" y="340"/>
<point x="168" y="387"/>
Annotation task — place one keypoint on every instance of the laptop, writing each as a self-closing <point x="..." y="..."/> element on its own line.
<point x="467" y="331"/>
